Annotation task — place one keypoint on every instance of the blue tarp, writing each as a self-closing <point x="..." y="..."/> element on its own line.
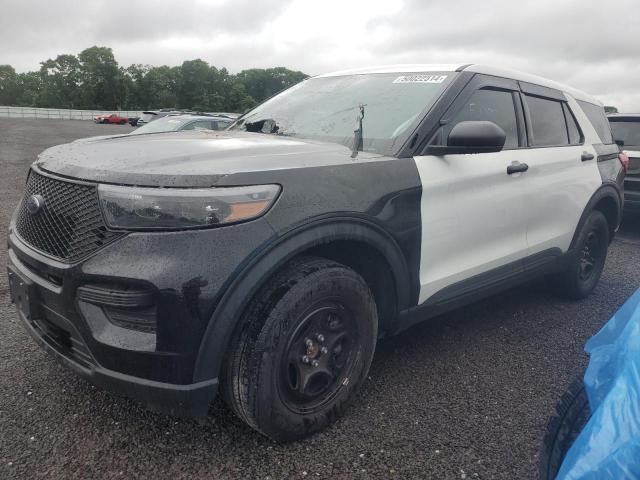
<point x="609" y="445"/>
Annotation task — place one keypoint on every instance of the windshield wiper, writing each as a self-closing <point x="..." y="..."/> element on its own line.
<point x="358" y="138"/>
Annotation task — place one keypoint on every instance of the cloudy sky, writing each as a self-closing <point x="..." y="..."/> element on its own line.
<point x="590" y="44"/>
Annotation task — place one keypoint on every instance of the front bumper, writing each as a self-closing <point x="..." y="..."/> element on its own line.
<point x="60" y="337"/>
<point x="185" y="272"/>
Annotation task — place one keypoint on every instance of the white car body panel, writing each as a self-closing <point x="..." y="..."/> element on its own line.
<point x="476" y="217"/>
<point x="472" y="217"/>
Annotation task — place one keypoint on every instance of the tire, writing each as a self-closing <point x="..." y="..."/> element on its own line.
<point x="270" y="378"/>
<point x="587" y="261"/>
<point x="572" y="414"/>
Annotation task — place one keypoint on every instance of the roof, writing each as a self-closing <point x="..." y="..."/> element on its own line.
<point x="484" y="69"/>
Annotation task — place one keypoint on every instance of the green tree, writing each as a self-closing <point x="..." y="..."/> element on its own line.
<point x="102" y="82"/>
<point x="9" y="89"/>
<point x="159" y="87"/>
<point x="93" y="79"/>
<point x="261" y="84"/>
<point x="29" y="88"/>
<point x="194" y="85"/>
<point x="237" y="99"/>
<point x="133" y="79"/>
<point x="60" y="81"/>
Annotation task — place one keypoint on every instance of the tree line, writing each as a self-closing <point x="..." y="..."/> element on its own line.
<point x="93" y="80"/>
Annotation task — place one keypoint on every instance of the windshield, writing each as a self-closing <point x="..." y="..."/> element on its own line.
<point x="628" y="132"/>
<point x="164" y="124"/>
<point x="328" y="109"/>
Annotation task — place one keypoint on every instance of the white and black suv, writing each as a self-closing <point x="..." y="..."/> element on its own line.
<point x="266" y="260"/>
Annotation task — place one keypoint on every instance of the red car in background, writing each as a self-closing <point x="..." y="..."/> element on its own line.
<point x="111" y="118"/>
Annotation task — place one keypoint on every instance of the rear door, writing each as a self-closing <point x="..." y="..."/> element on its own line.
<point x="473" y="226"/>
<point x="563" y="172"/>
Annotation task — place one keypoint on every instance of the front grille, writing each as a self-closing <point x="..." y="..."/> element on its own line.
<point x="69" y="226"/>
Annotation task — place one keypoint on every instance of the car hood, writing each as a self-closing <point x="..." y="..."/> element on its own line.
<point x="188" y="159"/>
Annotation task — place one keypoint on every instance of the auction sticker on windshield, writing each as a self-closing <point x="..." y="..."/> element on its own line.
<point x="420" y="79"/>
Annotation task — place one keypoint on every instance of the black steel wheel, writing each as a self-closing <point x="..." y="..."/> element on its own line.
<point x="302" y="350"/>
<point x="587" y="260"/>
<point x="318" y="356"/>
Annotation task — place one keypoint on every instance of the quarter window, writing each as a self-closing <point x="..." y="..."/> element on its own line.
<point x="490" y="105"/>
<point x="548" y="125"/>
<point x="598" y="119"/>
<point x="575" y="136"/>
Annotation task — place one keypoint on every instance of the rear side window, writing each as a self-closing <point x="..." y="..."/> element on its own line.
<point x="628" y="132"/>
<point x="598" y="119"/>
<point x="548" y="125"/>
<point x="491" y="105"/>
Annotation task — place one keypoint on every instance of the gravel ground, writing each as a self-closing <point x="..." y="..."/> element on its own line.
<point x="466" y="395"/>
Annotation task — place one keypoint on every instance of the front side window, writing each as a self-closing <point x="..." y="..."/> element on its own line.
<point x="597" y="117"/>
<point x="327" y="108"/>
<point x="627" y="131"/>
<point x="489" y="105"/>
<point x="548" y="126"/>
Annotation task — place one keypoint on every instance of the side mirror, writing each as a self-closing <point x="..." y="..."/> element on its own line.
<point x="471" y="137"/>
<point x="619" y="142"/>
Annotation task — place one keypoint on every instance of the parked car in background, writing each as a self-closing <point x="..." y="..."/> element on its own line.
<point x="133" y="121"/>
<point x="174" y="123"/>
<point x="232" y="116"/>
<point x="150" y="116"/>
<point x="626" y="132"/>
<point x="266" y="261"/>
<point x="111" y="118"/>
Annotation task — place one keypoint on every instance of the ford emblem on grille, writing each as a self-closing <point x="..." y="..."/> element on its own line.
<point x="35" y="204"/>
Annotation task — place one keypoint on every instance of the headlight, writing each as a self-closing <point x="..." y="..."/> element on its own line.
<point x="137" y="208"/>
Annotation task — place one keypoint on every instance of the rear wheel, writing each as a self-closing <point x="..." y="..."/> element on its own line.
<point x="587" y="262"/>
<point x="303" y="349"/>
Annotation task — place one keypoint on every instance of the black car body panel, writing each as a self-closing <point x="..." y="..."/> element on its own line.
<point x="189" y="159"/>
<point x="371" y="199"/>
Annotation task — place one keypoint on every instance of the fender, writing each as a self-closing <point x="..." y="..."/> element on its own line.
<point x="269" y="258"/>
<point x="607" y="190"/>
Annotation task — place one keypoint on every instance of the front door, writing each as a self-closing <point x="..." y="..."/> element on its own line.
<point x="472" y="210"/>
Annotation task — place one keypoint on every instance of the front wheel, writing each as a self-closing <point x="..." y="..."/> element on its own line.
<point x="303" y="349"/>
<point x="587" y="260"/>
<point x="572" y="414"/>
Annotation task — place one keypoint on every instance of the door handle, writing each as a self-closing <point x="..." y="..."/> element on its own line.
<point x="517" y="167"/>
<point x="586" y="156"/>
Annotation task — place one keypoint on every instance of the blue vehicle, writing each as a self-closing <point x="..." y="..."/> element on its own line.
<point x="596" y="434"/>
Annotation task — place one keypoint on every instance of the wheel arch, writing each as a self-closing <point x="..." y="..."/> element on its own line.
<point x="607" y="199"/>
<point x="348" y="240"/>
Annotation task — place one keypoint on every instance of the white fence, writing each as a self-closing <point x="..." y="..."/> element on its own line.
<point x="58" y="114"/>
